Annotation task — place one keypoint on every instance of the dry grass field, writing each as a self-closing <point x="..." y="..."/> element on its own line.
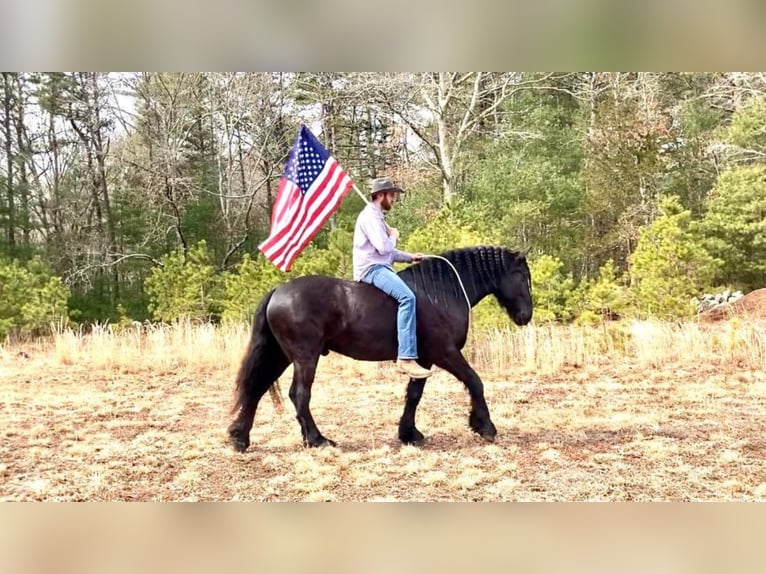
<point x="628" y="411"/>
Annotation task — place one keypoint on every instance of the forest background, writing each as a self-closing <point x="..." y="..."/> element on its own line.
<point x="143" y="196"/>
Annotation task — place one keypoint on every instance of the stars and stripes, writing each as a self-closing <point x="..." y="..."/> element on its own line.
<point x="311" y="189"/>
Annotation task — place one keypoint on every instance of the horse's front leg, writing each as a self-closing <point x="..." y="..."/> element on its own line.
<point x="408" y="434"/>
<point x="300" y="395"/>
<point x="479" y="419"/>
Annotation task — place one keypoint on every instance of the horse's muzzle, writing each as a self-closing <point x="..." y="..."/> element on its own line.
<point x="522" y="318"/>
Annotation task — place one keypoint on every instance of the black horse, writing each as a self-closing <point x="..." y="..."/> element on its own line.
<point x="311" y="316"/>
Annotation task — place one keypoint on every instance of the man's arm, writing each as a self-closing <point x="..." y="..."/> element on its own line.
<point x="402" y="256"/>
<point x="408" y="257"/>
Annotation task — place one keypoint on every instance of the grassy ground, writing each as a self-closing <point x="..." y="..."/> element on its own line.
<point x="638" y="411"/>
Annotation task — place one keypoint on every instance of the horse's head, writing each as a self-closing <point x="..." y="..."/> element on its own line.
<point x="515" y="290"/>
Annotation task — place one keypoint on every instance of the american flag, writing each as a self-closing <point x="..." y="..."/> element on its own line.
<point x="311" y="189"/>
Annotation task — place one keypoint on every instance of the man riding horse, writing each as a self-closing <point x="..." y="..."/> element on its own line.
<point x="374" y="252"/>
<point x="311" y="316"/>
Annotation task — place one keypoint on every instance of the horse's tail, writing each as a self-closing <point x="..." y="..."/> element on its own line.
<point x="263" y="363"/>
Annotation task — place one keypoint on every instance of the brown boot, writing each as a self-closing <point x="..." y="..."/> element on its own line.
<point x="411" y="368"/>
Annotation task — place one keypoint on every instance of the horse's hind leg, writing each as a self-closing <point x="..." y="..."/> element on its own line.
<point x="408" y="434"/>
<point x="255" y="386"/>
<point x="300" y="395"/>
<point x="479" y="419"/>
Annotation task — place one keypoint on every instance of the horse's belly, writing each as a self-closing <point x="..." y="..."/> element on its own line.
<point x="365" y="344"/>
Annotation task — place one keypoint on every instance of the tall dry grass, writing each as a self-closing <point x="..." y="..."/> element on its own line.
<point x="647" y="344"/>
<point x="544" y="349"/>
<point x="184" y="344"/>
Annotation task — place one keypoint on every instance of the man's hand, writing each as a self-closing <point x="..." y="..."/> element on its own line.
<point x="393" y="232"/>
<point x="417" y="257"/>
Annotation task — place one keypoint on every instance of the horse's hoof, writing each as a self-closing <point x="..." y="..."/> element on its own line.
<point x="485" y="430"/>
<point x="239" y="439"/>
<point x="418" y="442"/>
<point x="487" y="434"/>
<point x="412" y="436"/>
<point x="322" y="442"/>
<point x="239" y="444"/>
<point x="489" y="437"/>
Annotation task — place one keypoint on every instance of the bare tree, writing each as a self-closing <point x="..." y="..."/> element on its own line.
<point x="248" y="127"/>
<point x="86" y="111"/>
<point x="171" y="110"/>
<point x="445" y="109"/>
<point x="214" y="138"/>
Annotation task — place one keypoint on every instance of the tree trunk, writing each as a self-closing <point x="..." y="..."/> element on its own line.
<point x="8" y="101"/>
<point x="23" y="157"/>
<point x="445" y="149"/>
<point x="100" y="150"/>
<point x="56" y="179"/>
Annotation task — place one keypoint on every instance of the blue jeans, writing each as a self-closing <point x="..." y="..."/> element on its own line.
<point x="389" y="282"/>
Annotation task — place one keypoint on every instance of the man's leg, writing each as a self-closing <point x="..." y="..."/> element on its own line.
<point x="406" y="325"/>
<point x="390" y="283"/>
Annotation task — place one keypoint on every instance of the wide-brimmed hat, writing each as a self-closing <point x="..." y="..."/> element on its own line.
<point x="384" y="184"/>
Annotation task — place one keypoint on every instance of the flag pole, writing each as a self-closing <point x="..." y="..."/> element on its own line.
<point x="363" y="196"/>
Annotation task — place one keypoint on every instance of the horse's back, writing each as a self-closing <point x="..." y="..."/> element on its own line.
<point x="311" y="298"/>
<point x="351" y="318"/>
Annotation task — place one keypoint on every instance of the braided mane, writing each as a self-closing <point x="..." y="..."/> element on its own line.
<point x="481" y="269"/>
